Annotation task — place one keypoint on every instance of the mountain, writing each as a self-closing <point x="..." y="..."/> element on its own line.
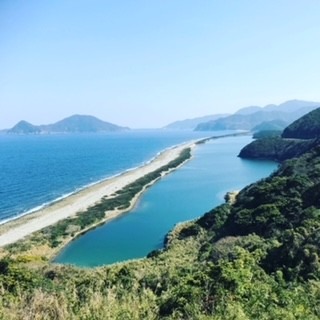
<point x="190" y="124"/>
<point x="307" y="127"/>
<point x="72" y="124"/>
<point x="249" y="110"/>
<point x="24" y="127"/>
<point x="244" y="122"/>
<point x="276" y="148"/>
<point x="291" y="105"/>
<point x="81" y="123"/>
<point x="296" y="139"/>
<point x="270" y="125"/>
<point x="267" y="134"/>
<point x="287" y="112"/>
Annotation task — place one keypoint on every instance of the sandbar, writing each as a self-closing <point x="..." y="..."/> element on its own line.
<point x="20" y="228"/>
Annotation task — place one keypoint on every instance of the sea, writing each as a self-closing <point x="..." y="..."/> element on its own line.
<point x="38" y="170"/>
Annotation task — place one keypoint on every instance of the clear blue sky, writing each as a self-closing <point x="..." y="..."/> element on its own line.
<point x="147" y="63"/>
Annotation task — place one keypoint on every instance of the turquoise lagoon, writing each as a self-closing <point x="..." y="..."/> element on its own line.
<point x="185" y="194"/>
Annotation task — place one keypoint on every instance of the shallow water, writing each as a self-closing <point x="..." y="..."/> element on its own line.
<point x="185" y="194"/>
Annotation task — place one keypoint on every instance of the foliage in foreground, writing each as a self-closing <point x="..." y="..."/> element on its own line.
<point x="255" y="259"/>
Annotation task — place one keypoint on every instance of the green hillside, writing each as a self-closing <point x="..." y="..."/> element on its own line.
<point x="267" y="134"/>
<point x="297" y="138"/>
<point x="276" y="148"/>
<point x="307" y="127"/>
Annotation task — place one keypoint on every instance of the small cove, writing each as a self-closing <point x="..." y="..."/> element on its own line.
<point x="183" y="195"/>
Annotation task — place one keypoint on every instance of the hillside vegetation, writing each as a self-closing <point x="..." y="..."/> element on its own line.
<point x="307" y="127"/>
<point x="267" y="134"/>
<point x="296" y="139"/>
<point x="276" y="148"/>
<point x="255" y="259"/>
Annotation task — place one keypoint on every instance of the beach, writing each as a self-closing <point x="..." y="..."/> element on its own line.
<point x="20" y="228"/>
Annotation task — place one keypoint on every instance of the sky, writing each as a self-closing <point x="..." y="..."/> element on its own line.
<point x="146" y="63"/>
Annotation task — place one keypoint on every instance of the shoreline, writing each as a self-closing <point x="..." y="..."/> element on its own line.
<point x="81" y="189"/>
<point x="25" y="225"/>
<point x="113" y="214"/>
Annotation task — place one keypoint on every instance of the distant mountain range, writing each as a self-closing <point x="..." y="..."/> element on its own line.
<point x="250" y="117"/>
<point x="190" y="124"/>
<point x="73" y="124"/>
<point x="253" y="118"/>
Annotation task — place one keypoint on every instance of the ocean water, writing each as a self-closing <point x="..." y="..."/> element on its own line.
<point x="185" y="194"/>
<point x="36" y="170"/>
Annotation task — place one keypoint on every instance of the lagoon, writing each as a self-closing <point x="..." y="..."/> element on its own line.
<point x="185" y="194"/>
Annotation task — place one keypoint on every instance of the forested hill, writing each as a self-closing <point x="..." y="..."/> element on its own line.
<point x="307" y="127"/>
<point x="276" y="148"/>
<point x="296" y="139"/>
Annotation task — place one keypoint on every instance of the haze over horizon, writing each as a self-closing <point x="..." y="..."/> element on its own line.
<point x="145" y="64"/>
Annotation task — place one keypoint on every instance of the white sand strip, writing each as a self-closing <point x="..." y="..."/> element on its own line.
<point x="24" y="226"/>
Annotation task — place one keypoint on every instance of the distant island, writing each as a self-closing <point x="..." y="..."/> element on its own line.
<point x="72" y="124"/>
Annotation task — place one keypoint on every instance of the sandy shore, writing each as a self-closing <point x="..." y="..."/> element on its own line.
<point x="24" y="226"/>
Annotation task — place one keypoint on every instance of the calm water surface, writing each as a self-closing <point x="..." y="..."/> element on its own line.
<point x="185" y="194"/>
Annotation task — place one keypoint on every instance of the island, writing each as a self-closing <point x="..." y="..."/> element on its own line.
<point x="74" y="124"/>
